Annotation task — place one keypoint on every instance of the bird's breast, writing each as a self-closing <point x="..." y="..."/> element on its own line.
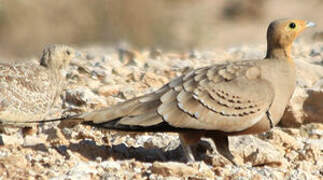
<point x="282" y="76"/>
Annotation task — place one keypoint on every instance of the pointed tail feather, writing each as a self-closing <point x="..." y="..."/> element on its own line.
<point x="160" y="127"/>
<point x="69" y="118"/>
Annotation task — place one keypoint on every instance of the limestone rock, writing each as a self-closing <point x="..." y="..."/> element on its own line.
<point x="313" y="106"/>
<point x="256" y="151"/>
<point x="182" y="170"/>
<point x="84" y="96"/>
<point x="307" y="73"/>
<point x="294" y="114"/>
<point x="305" y="107"/>
<point x="9" y="139"/>
<point x="109" y="90"/>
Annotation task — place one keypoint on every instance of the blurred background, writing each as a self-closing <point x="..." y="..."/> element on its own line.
<point x="27" y="26"/>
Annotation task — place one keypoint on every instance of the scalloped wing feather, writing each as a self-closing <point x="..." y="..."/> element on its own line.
<point x="226" y="98"/>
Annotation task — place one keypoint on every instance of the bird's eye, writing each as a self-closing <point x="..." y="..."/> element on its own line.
<point x="292" y="25"/>
<point x="68" y="52"/>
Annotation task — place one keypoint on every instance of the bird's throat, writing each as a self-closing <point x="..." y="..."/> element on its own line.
<point x="279" y="53"/>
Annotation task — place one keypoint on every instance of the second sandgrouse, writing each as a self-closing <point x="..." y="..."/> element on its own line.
<point x="28" y="90"/>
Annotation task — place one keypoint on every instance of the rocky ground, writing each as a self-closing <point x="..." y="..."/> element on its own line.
<point x="101" y="76"/>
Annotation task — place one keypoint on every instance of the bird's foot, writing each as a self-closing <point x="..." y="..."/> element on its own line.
<point x="222" y="146"/>
<point x="187" y="152"/>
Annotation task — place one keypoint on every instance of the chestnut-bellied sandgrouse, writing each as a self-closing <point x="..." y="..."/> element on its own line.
<point x="28" y="90"/>
<point x="217" y="101"/>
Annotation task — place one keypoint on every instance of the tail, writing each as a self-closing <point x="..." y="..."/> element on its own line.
<point x="138" y="114"/>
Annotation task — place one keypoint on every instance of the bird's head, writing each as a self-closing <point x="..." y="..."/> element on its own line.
<point x="57" y="57"/>
<point x="281" y="34"/>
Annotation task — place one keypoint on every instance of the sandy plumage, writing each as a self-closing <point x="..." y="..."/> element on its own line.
<point x="29" y="89"/>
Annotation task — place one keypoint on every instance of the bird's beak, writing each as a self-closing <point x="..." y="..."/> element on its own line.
<point x="310" y="24"/>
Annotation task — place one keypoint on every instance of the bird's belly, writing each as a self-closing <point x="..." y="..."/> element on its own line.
<point x="262" y="126"/>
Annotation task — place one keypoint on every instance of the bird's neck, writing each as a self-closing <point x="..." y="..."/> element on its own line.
<point x="279" y="53"/>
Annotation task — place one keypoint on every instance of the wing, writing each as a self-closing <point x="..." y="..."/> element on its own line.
<point x="26" y="91"/>
<point x="228" y="98"/>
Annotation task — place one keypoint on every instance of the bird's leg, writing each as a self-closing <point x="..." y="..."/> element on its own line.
<point x="187" y="139"/>
<point x="187" y="150"/>
<point x="222" y="146"/>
